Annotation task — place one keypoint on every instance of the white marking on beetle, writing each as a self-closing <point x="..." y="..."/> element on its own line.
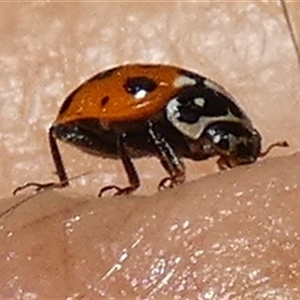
<point x="172" y="109"/>
<point x="217" y="138"/>
<point x="140" y="94"/>
<point x="194" y="130"/>
<point x="214" y="86"/>
<point x="199" y="101"/>
<point x="211" y="131"/>
<point x="182" y="81"/>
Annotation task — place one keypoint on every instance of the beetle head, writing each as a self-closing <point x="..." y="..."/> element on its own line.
<point x="234" y="142"/>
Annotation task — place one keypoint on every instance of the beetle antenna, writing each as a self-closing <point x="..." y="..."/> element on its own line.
<point x="274" y="145"/>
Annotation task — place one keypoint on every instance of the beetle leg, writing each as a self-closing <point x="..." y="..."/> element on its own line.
<point x="223" y="163"/>
<point x="130" y="171"/>
<point x="169" y="160"/>
<point x="60" y="170"/>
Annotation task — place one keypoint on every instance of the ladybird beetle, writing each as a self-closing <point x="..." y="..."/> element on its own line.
<point x="141" y="110"/>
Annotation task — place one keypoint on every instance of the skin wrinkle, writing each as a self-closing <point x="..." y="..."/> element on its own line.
<point x="228" y="235"/>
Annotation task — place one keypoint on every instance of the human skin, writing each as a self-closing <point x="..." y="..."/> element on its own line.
<point x="221" y="235"/>
<point x="233" y="234"/>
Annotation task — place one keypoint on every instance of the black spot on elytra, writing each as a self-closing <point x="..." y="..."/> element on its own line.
<point x="98" y="76"/>
<point x="135" y="84"/>
<point x="104" y="101"/>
